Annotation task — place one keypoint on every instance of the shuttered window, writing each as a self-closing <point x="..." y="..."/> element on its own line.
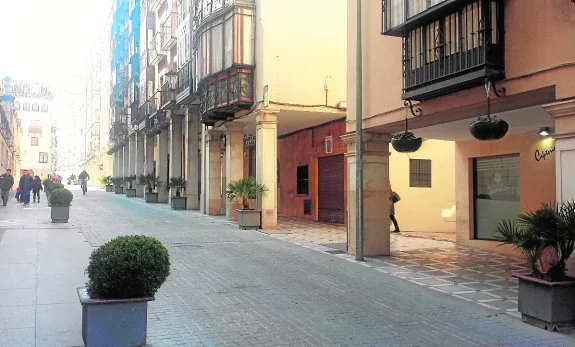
<point x="420" y="173"/>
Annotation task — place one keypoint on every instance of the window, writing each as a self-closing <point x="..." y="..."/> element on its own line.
<point x="228" y="42"/>
<point x="44" y="107"/>
<point x="420" y="173"/>
<point x="216" y="49"/>
<point x="496" y="192"/>
<point x="35" y="107"/>
<point x="34" y="141"/>
<point x="43" y="157"/>
<point x="302" y="180"/>
<point x="26" y="106"/>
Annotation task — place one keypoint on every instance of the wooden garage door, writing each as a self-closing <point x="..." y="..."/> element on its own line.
<point x="331" y="207"/>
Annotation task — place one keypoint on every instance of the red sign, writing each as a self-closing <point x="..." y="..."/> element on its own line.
<point x="101" y="167"/>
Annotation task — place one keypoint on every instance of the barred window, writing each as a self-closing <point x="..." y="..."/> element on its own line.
<point x="420" y="173"/>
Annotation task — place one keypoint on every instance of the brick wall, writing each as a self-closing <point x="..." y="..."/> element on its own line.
<point x="304" y="148"/>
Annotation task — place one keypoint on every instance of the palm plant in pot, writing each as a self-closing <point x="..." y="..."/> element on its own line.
<point x="246" y="189"/>
<point x="546" y="239"/>
<point x="123" y="275"/>
<point x="151" y="182"/>
<point x="176" y="185"/>
<point x="60" y="200"/>
<point x="117" y="182"/>
<point x="107" y="181"/>
<point x="130" y="191"/>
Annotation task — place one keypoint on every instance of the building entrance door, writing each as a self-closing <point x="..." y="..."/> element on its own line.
<point x="496" y="193"/>
<point x="331" y="204"/>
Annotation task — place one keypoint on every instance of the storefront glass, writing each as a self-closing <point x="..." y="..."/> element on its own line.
<point x="496" y="188"/>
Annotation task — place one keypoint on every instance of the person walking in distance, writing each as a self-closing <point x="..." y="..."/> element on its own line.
<point x="36" y="188"/>
<point x="393" y="198"/>
<point x="25" y="184"/>
<point x="6" y="183"/>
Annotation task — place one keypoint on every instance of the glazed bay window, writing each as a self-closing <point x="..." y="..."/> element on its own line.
<point x="448" y="45"/>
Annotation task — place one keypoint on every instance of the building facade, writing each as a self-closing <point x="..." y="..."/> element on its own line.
<point x="9" y="128"/>
<point x="472" y="74"/>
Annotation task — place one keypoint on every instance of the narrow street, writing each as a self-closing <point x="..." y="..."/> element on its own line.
<point x="228" y="287"/>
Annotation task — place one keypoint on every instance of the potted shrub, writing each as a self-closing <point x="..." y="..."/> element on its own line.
<point x="49" y="187"/>
<point x="123" y="275"/>
<point x="151" y="182"/>
<point x="245" y="189"/>
<point x="60" y="200"/>
<point x="117" y="182"/>
<point x="177" y="202"/>
<point x="107" y="180"/>
<point x="130" y="191"/>
<point x="546" y="238"/>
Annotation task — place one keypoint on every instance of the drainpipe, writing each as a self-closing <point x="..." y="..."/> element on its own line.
<point x="358" y="143"/>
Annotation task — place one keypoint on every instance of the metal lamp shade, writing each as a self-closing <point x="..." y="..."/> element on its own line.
<point x="406" y="142"/>
<point x="489" y="128"/>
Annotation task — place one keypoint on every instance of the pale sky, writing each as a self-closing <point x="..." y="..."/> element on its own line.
<point x="49" y="40"/>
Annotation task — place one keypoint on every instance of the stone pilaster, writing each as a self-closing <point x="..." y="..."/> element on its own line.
<point x="140" y="161"/>
<point x="266" y="166"/>
<point x="376" y="221"/>
<point x="234" y="162"/>
<point x="162" y="165"/>
<point x="214" y="174"/>
<point x="175" y="148"/>
<point x="192" y="122"/>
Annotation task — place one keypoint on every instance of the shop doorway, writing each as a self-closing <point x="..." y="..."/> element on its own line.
<point x="331" y="203"/>
<point x="496" y="193"/>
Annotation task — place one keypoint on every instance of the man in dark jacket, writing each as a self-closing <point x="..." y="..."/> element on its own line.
<point x="25" y="184"/>
<point x="6" y="183"/>
<point x="36" y="188"/>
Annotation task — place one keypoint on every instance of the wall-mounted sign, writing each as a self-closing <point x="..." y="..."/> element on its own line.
<point x="542" y="154"/>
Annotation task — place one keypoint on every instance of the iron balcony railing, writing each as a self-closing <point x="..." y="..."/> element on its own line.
<point x="156" y="53"/>
<point x="454" y="52"/>
<point x="168" y="94"/>
<point x="184" y="77"/>
<point x="153" y="101"/>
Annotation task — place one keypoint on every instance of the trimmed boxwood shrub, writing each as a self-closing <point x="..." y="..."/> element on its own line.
<point x="132" y="266"/>
<point x="61" y="197"/>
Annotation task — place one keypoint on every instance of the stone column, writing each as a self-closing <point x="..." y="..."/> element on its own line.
<point x="203" y="171"/>
<point x="234" y="163"/>
<point x="175" y="149"/>
<point x="563" y="114"/>
<point x="132" y="155"/>
<point x="162" y="165"/>
<point x="120" y="172"/>
<point x="192" y="122"/>
<point x="214" y="174"/>
<point x="126" y="160"/>
<point x="266" y="166"/>
<point x="149" y="155"/>
<point x="376" y="222"/>
<point x="139" y="163"/>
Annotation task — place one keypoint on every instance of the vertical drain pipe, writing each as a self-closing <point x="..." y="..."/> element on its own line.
<point x="358" y="143"/>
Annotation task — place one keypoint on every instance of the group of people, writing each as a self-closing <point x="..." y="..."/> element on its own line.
<point x="26" y="185"/>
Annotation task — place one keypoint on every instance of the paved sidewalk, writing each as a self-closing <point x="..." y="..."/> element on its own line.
<point x="41" y="264"/>
<point x="230" y="287"/>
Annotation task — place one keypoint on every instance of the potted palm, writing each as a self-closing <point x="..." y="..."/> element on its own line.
<point x="60" y="200"/>
<point x="546" y="239"/>
<point x="123" y="275"/>
<point x="150" y="181"/>
<point x="117" y="182"/>
<point x="245" y="189"/>
<point x="176" y="184"/>
<point x="130" y="191"/>
<point x="107" y="181"/>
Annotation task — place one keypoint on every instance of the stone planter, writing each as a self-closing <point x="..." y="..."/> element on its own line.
<point x="109" y="188"/>
<point x="113" y="322"/>
<point x="548" y="305"/>
<point x="151" y="197"/>
<point x="60" y="214"/>
<point x="249" y="219"/>
<point x="48" y="194"/>
<point x="119" y="190"/>
<point x="131" y="193"/>
<point x="178" y="203"/>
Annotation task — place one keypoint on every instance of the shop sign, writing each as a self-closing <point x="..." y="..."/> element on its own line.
<point x="543" y="154"/>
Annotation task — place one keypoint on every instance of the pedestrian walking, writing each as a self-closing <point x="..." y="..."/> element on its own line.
<point x="36" y="188"/>
<point x="18" y="195"/>
<point x="25" y="185"/>
<point x="6" y="183"/>
<point x="393" y="198"/>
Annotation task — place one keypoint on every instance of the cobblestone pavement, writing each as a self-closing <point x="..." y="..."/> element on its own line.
<point x="230" y="287"/>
